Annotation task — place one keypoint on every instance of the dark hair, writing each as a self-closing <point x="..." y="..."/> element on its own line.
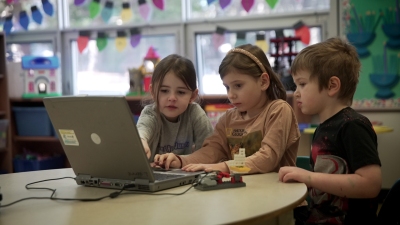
<point x="241" y="61"/>
<point x="182" y="67"/>
<point x="333" y="57"/>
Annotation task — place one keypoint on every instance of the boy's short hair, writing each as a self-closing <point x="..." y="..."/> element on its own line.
<point x="333" y="57"/>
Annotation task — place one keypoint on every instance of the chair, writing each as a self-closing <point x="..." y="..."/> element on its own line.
<point x="390" y="210"/>
<point x="303" y="162"/>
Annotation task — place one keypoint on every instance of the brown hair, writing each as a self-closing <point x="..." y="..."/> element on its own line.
<point x="333" y="57"/>
<point x="253" y="62"/>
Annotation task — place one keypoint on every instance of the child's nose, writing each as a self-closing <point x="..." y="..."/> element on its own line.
<point x="231" y="94"/>
<point x="172" y="97"/>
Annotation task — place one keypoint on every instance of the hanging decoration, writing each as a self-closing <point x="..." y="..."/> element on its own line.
<point x="101" y="41"/>
<point x="272" y="3"/>
<point x="224" y="3"/>
<point x="126" y="13"/>
<point x="159" y="4"/>
<point x="261" y="42"/>
<point x="48" y="7"/>
<point x="24" y="19"/>
<point x="144" y="9"/>
<point x="218" y="37"/>
<point x="9" y="1"/>
<point x="36" y="15"/>
<point x="135" y="37"/>
<point x="120" y="41"/>
<point x="209" y="2"/>
<point x="8" y="24"/>
<point x="94" y="8"/>
<point x="79" y="2"/>
<point x="302" y="31"/>
<point x="240" y="38"/>
<point x="247" y="4"/>
<point x="83" y="40"/>
<point x="107" y="11"/>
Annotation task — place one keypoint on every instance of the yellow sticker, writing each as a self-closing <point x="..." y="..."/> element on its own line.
<point x="69" y="137"/>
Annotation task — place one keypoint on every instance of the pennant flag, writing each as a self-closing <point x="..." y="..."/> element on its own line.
<point x="48" y="7"/>
<point x="126" y="13"/>
<point x="24" y="19"/>
<point x="247" y="4"/>
<point x="302" y="31"/>
<point x="261" y="43"/>
<point x="151" y="54"/>
<point x="120" y="41"/>
<point x="272" y="3"/>
<point x="135" y="37"/>
<point x="79" y="2"/>
<point x="159" y="4"/>
<point x="144" y="9"/>
<point x="94" y="8"/>
<point x="218" y="38"/>
<point x="209" y="2"/>
<point x="224" y="3"/>
<point x="107" y="12"/>
<point x="240" y="38"/>
<point x="101" y="41"/>
<point x="36" y="15"/>
<point x="83" y="40"/>
<point x="8" y="24"/>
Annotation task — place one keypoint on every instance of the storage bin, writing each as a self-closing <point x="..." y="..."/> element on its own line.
<point x="3" y="133"/>
<point x="32" y="121"/>
<point x="53" y="162"/>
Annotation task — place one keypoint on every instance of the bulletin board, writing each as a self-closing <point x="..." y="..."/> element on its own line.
<point x="373" y="27"/>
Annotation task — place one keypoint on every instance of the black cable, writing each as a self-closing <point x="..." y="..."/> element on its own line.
<point x="111" y="195"/>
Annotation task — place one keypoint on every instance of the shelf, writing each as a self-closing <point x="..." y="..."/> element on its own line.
<point x="35" y="138"/>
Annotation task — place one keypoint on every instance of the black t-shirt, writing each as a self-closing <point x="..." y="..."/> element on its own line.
<point x="341" y="145"/>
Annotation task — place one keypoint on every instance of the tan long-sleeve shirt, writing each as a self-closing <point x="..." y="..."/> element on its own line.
<point x="271" y="139"/>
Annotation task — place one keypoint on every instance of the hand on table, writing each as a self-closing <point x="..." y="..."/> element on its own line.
<point x="292" y="173"/>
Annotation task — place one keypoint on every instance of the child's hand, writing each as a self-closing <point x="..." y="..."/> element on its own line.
<point x="146" y="148"/>
<point x="292" y="173"/>
<point x="167" y="160"/>
<point x="197" y="167"/>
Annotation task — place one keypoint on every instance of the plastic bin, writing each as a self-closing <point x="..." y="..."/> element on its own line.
<point x="32" y="121"/>
<point x="24" y="165"/>
<point x="3" y="133"/>
<point x="215" y="111"/>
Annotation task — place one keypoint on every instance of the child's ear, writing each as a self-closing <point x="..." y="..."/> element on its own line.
<point x="334" y="86"/>
<point x="195" y="93"/>
<point x="265" y="82"/>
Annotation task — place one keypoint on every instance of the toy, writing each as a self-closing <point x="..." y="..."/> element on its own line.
<point x="41" y="77"/>
<point x="135" y="81"/>
<point x="214" y="181"/>
<point x="238" y="165"/>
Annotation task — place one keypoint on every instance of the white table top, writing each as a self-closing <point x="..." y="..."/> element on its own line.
<point x="263" y="198"/>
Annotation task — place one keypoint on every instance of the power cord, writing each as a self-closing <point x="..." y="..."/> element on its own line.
<point x="111" y="195"/>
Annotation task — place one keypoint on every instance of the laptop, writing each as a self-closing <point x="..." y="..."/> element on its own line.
<point x="103" y="146"/>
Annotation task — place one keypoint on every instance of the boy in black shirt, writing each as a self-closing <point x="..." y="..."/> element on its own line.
<point x="346" y="177"/>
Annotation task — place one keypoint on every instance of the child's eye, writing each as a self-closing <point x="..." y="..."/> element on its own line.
<point x="227" y="88"/>
<point x="164" y="90"/>
<point x="181" y="92"/>
<point x="238" y="85"/>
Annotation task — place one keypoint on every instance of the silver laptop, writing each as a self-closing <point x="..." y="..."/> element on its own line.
<point x="102" y="144"/>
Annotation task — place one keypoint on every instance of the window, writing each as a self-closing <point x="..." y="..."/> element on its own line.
<point x="15" y="51"/>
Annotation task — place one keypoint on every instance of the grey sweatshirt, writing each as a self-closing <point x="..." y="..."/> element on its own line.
<point x="182" y="137"/>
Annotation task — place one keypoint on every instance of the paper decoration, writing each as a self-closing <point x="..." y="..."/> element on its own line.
<point x="101" y="41"/>
<point x="24" y="19"/>
<point x="126" y="12"/>
<point x="9" y="1"/>
<point x="247" y="4"/>
<point x="209" y="2"/>
<point x="224" y="3"/>
<point x="36" y="15"/>
<point x="302" y="31"/>
<point x="144" y="9"/>
<point x="240" y="38"/>
<point x="135" y="37"/>
<point x="94" y="8"/>
<point x="79" y="2"/>
<point x="218" y="38"/>
<point x="159" y="4"/>
<point x="8" y="24"/>
<point x="107" y="11"/>
<point x="83" y="40"/>
<point x="48" y="7"/>
<point x="272" y="3"/>
<point x="120" y="41"/>
<point x="261" y="43"/>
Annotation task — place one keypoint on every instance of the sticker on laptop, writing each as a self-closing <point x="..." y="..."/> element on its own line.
<point x="69" y="137"/>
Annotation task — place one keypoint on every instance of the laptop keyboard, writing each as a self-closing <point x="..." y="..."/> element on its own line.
<point x="164" y="176"/>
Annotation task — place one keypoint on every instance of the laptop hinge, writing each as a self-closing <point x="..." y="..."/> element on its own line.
<point x="142" y="181"/>
<point x="83" y="176"/>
